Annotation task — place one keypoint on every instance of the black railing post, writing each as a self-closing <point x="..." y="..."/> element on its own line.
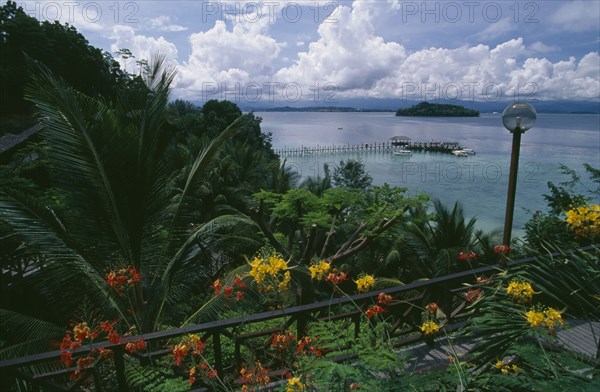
<point x="218" y="354"/>
<point x="119" y="362"/>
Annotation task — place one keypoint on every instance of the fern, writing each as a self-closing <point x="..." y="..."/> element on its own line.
<point x="153" y="380"/>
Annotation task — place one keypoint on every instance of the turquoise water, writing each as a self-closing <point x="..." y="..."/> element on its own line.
<point x="479" y="181"/>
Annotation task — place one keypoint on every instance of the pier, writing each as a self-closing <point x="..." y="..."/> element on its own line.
<point x="390" y="146"/>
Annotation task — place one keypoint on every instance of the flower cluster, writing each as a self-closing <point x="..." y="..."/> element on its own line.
<point x="432" y="308"/>
<point x="282" y="341"/>
<point x="319" y="270"/>
<point x="204" y="367"/>
<point x="270" y="274"/>
<point x="549" y="318"/>
<point x="81" y="334"/>
<point x="365" y="283"/>
<point x="294" y="384"/>
<point x="382" y="300"/>
<point x="520" y="291"/>
<point x="430" y="328"/>
<point x="502" y="249"/>
<point x="585" y="221"/>
<point x="254" y="379"/>
<point x="465" y="256"/>
<point x="138" y="345"/>
<point x="506" y="368"/>
<point x="305" y="346"/>
<point x="122" y="278"/>
<point x="473" y="295"/>
<point x="335" y="277"/>
<point x="190" y="344"/>
<point x="236" y="285"/>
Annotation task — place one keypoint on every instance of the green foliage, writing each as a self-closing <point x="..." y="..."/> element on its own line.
<point x="150" y="379"/>
<point x="550" y="229"/>
<point x="437" y="244"/>
<point x="351" y="174"/>
<point x="123" y="206"/>
<point x="65" y="51"/>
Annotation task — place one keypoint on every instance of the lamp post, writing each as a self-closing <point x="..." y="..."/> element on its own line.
<point x="517" y="118"/>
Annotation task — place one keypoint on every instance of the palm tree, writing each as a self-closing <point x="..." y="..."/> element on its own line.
<point x="123" y="206"/>
<point x="437" y="244"/>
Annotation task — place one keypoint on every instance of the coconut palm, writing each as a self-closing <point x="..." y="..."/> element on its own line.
<point x="123" y="208"/>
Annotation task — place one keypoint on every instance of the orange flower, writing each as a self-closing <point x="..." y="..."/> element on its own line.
<point x="373" y="310"/>
<point x="217" y="287"/>
<point x="336" y="277"/>
<point x="140" y="344"/>
<point x="106" y="326"/>
<point x="227" y="291"/>
<point x="282" y="341"/>
<point x="66" y="358"/>
<point x="179" y="353"/>
<point x="85" y="362"/>
<point x="384" y="299"/>
<point x="81" y="331"/>
<point x="467" y="255"/>
<point x="504" y="249"/>
<point x="192" y="375"/>
<point x="66" y="342"/>
<point x="113" y="337"/>
<point x="473" y="295"/>
<point x="432" y="307"/>
<point x="130" y="347"/>
<point x="239" y="296"/>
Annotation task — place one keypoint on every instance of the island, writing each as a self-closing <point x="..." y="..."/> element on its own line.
<point x="426" y="109"/>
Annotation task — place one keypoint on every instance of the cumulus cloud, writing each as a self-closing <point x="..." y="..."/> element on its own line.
<point x="541" y="47"/>
<point x="483" y="73"/>
<point x="348" y="53"/>
<point x="141" y="46"/>
<point x="223" y="57"/>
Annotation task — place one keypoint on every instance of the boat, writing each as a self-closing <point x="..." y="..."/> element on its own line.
<point x="459" y="153"/>
<point x="468" y="151"/>
<point x="402" y="152"/>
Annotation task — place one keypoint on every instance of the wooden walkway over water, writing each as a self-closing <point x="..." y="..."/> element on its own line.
<point x="382" y="147"/>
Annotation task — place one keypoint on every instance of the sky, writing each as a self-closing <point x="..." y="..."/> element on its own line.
<point x="297" y="51"/>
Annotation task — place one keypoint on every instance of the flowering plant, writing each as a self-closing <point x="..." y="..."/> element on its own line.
<point x="585" y="221"/>
<point x="365" y="283"/>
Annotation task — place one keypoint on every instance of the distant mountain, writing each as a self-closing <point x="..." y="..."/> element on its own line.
<point x="393" y="104"/>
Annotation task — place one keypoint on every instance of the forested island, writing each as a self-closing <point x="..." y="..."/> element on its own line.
<point x="427" y="109"/>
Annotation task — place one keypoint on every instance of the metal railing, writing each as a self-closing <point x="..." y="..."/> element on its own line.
<point x="410" y="299"/>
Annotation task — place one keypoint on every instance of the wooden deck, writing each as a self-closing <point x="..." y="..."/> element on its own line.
<point x="581" y="337"/>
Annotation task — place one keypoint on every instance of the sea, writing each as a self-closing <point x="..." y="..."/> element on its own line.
<point x="479" y="181"/>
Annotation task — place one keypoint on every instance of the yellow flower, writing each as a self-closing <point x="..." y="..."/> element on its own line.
<point x="534" y="318"/>
<point x="554" y="314"/>
<point x="429" y="328"/>
<point x="285" y="284"/>
<point x="585" y="221"/>
<point x="268" y="274"/>
<point x="319" y="270"/>
<point x="365" y="283"/>
<point x="294" y="384"/>
<point x="499" y="364"/>
<point x="520" y="291"/>
<point x="515" y="368"/>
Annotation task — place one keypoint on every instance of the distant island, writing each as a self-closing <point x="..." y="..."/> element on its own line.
<point x="319" y="109"/>
<point x="426" y="109"/>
